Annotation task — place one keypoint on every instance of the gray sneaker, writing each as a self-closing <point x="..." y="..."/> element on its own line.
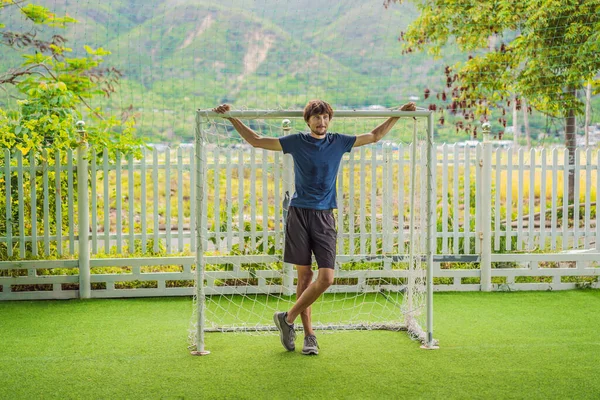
<point x="310" y="345"/>
<point x="286" y="331"/>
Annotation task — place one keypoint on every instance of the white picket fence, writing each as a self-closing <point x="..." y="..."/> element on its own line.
<point x="142" y="216"/>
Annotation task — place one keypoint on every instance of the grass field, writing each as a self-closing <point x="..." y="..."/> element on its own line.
<point x="493" y="345"/>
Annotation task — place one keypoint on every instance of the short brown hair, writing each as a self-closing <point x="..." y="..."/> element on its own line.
<point x="317" y="107"/>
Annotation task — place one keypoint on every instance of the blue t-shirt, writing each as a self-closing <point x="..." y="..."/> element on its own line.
<point x="316" y="164"/>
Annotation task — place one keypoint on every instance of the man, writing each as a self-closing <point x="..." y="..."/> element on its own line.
<point x="310" y="226"/>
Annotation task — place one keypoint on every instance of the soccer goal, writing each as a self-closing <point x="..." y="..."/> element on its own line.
<point x="385" y="222"/>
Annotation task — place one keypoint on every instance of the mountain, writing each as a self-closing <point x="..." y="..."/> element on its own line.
<point x="178" y="56"/>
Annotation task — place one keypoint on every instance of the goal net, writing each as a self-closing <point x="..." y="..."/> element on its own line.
<point x="384" y="211"/>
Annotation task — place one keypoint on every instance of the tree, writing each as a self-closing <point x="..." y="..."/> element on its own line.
<point x="53" y="89"/>
<point x="548" y="50"/>
<point x="51" y="92"/>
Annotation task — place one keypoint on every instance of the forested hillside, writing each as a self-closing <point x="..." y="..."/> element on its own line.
<point x="181" y="55"/>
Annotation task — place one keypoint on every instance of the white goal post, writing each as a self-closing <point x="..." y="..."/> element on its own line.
<point x="389" y="244"/>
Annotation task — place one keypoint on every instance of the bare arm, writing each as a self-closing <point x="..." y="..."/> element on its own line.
<point x="253" y="138"/>
<point x="376" y="134"/>
<point x="380" y="131"/>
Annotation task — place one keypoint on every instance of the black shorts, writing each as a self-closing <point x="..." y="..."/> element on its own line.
<point x="310" y="231"/>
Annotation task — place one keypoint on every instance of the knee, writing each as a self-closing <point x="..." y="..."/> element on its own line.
<point x="305" y="279"/>
<point x="325" y="280"/>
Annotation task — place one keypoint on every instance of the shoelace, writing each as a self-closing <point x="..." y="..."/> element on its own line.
<point x="292" y="332"/>
<point x="312" y="341"/>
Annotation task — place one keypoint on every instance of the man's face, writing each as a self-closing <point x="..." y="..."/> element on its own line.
<point x="318" y="124"/>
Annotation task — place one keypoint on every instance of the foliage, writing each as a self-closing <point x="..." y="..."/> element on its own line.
<point x="351" y="63"/>
<point x="54" y="88"/>
<point x="37" y="14"/>
<point x="52" y="93"/>
<point x="547" y="49"/>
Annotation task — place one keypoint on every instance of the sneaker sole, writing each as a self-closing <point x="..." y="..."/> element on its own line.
<point x="278" y="325"/>
<point x="310" y="352"/>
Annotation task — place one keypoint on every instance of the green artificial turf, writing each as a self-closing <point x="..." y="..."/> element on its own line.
<point x="493" y="345"/>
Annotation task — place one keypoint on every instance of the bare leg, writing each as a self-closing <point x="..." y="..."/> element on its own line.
<point x="311" y="293"/>
<point x="305" y="275"/>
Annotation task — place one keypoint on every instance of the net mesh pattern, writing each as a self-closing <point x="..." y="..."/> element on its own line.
<point x="381" y="220"/>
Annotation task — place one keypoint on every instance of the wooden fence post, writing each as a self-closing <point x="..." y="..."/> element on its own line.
<point x="83" y="211"/>
<point x="485" y="235"/>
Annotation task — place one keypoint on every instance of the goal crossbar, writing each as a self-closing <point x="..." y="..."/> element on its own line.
<point x="268" y="114"/>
